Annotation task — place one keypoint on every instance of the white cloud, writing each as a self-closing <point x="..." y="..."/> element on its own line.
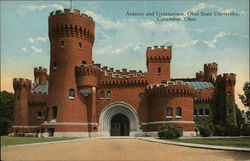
<point x="24" y="49"/>
<point x="106" y="23"/>
<point x="202" y="6"/>
<point x="33" y="40"/>
<point x="36" y="50"/>
<point x="188" y="44"/>
<point x="39" y="7"/>
<point x="220" y="35"/>
<point x="199" y="30"/>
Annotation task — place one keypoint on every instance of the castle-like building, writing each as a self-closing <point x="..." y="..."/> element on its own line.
<point x="81" y="98"/>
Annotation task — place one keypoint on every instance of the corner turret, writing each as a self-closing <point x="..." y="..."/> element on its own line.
<point x="210" y="71"/>
<point x="41" y="76"/>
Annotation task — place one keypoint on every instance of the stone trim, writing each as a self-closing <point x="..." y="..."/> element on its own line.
<point x="168" y="122"/>
<point x="70" y="123"/>
<point x="26" y="126"/>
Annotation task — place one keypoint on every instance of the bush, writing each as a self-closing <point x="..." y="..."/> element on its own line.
<point x="169" y="132"/>
<point x="219" y="130"/>
<point x="232" y="131"/>
<point x="246" y="131"/>
<point x="205" y="131"/>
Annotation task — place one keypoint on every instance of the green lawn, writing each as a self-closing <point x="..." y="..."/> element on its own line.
<point x="234" y="142"/>
<point x="8" y="140"/>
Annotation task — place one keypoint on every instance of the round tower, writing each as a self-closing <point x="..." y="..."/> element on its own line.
<point x="41" y="76"/>
<point x="22" y="87"/>
<point x="171" y="103"/>
<point x="210" y="72"/>
<point x="226" y="82"/>
<point x="71" y="40"/>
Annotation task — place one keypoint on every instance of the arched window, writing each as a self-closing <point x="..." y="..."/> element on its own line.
<point x="178" y="112"/>
<point x="79" y="45"/>
<point x="207" y="112"/>
<point x="170" y="111"/>
<point x="54" y="112"/>
<point x="102" y="94"/>
<point x="71" y="93"/>
<point x="18" y="100"/>
<point x="39" y="114"/>
<point x="109" y="94"/>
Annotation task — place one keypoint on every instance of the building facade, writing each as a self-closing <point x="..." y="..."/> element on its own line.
<point x="81" y="98"/>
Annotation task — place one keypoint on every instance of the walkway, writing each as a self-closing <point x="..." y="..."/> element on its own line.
<point x="117" y="149"/>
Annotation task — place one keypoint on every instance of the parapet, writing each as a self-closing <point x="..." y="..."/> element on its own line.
<point x="210" y="67"/>
<point x="21" y="83"/>
<point x="68" y="12"/>
<point x="159" y="53"/>
<point x="177" y="88"/>
<point x="86" y="69"/>
<point x="40" y="71"/>
<point x="227" y="78"/>
<point x="37" y="99"/>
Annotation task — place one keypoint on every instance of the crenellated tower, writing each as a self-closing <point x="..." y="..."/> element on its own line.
<point x="71" y="37"/>
<point x="41" y="76"/>
<point x="158" y="63"/>
<point x="210" y="72"/>
<point x="22" y="87"/>
<point x="226" y="82"/>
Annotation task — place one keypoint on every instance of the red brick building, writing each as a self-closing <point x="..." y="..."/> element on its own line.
<point x="80" y="98"/>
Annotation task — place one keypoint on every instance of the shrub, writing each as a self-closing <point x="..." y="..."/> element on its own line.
<point x="232" y="130"/>
<point x="205" y="131"/>
<point x="169" y="132"/>
<point x="246" y="131"/>
<point x="219" y="130"/>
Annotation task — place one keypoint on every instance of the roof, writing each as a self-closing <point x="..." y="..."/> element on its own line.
<point x="41" y="89"/>
<point x="200" y="85"/>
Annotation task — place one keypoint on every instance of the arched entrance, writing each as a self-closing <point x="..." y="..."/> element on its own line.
<point x="119" y="125"/>
<point x="120" y="114"/>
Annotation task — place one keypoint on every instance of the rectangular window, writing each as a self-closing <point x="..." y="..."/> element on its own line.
<point x="62" y="44"/>
<point x="71" y="94"/>
<point x="80" y="45"/>
<point x="109" y="94"/>
<point x="159" y="70"/>
<point x="54" y="112"/>
<point x="102" y="94"/>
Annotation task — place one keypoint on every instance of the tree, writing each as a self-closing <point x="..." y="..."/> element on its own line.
<point x="245" y="98"/>
<point x="6" y="111"/>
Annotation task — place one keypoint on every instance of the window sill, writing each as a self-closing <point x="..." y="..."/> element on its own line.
<point x="54" y="68"/>
<point x="62" y="46"/>
<point x="53" y="120"/>
<point x="169" y="117"/>
<point x="102" y="98"/>
<point x="71" y="98"/>
<point x="108" y="98"/>
<point x="178" y="117"/>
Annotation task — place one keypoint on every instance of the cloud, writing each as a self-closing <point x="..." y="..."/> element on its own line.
<point x="106" y="23"/>
<point x="220" y="35"/>
<point x="202" y="6"/>
<point x="33" y="40"/>
<point x="36" y="50"/>
<point x="188" y="44"/>
<point x="199" y="30"/>
<point x="24" y="49"/>
<point x="40" y="7"/>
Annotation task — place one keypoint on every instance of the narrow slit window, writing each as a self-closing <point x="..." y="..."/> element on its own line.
<point x="159" y="70"/>
<point x="79" y="45"/>
<point x="54" y="66"/>
<point x="54" y="112"/>
<point x="62" y="44"/>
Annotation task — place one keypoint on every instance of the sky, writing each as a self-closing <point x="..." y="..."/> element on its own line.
<point x="121" y="40"/>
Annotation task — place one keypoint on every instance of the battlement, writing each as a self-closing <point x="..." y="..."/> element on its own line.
<point x="211" y="66"/>
<point x="40" y="70"/>
<point x="87" y="69"/>
<point x="177" y="88"/>
<point x="163" y="51"/>
<point x="68" y="12"/>
<point x="226" y="76"/>
<point x="37" y="99"/>
<point x="20" y="83"/>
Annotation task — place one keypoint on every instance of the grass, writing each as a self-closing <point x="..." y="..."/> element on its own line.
<point x="8" y="140"/>
<point x="233" y="142"/>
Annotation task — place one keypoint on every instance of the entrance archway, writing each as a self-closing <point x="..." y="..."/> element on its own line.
<point x="119" y="125"/>
<point x="118" y="109"/>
